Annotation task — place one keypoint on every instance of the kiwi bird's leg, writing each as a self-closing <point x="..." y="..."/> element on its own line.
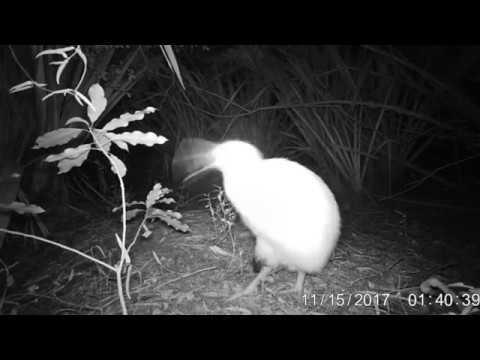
<point x="298" y="288"/>
<point x="252" y="287"/>
<point x="299" y="284"/>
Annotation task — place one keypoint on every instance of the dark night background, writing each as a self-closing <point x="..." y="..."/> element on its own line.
<point x="412" y="111"/>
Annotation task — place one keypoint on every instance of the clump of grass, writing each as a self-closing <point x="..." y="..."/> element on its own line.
<point x="222" y="214"/>
<point x="221" y="210"/>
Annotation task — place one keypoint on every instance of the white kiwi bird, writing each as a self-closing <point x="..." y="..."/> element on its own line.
<point x="289" y="209"/>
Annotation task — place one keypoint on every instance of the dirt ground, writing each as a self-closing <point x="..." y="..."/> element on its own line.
<point x="378" y="267"/>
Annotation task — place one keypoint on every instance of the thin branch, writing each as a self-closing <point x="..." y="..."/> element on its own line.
<point x="108" y="266"/>
<point x="15" y="58"/>
<point x="431" y="174"/>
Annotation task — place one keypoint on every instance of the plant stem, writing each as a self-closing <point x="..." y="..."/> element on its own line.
<point x="124" y="251"/>
<point x="120" y="289"/>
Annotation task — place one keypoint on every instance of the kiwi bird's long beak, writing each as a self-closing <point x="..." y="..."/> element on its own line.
<point x="198" y="172"/>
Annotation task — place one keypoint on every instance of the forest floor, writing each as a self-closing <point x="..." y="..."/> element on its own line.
<point x="384" y="261"/>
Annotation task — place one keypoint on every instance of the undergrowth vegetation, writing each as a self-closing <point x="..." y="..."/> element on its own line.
<point x="359" y="116"/>
<point x="101" y="140"/>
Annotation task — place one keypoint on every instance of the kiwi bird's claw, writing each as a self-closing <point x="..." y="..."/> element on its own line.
<point x="286" y="291"/>
<point x="292" y="290"/>
<point x="249" y="290"/>
<point x="252" y="287"/>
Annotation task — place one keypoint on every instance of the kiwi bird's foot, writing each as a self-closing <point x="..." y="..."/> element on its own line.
<point x="252" y="287"/>
<point x="241" y="293"/>
<point x="298" y="288"/>
<point x="292" y="290"/>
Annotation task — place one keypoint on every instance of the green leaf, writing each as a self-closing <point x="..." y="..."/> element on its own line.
<point x="60" y="69"/>
<point x="134" y="203"/>
<point x="66" y="165"/>
<point x="119" y="165"/>
<point x="25" y="86"/>
<point x="21" y="208"/>
<point x="126" y="118"/>
<point x="82" y="56"/>
<point x="56" y="137"/>
<point x="167" y="201"/>
<point x="171" y="219"/>
<point x="156" y="193"/>
<point x="59" y="51"/>
<point x="129" y="204"/>
<point x="77" y="119"/>
<point x="99" y="101"/>
<point x="69" y="153"/>
<point x="121" y="144"/>
<point x="70" y="157"/>
<point x="138" y="137"/>
<point x="172" y="61"/>
<point x="133" y="213"/>
<point x="80" y="97"/>
<point x="174" y="214"/>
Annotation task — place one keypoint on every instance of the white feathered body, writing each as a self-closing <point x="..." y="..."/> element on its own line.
<point x="289" y="208"/>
